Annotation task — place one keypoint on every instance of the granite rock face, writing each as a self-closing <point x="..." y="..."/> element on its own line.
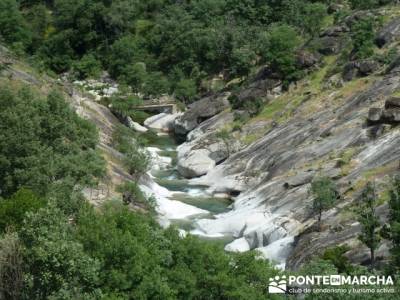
<point x="389" y="33"/>
<point x="271" y="177"/>
<point x="200" y="111"/>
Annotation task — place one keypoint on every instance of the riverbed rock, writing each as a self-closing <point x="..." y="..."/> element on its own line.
<point x="195" y="164"/>
<point x="238" y="245"/>
<point x="162" y="121"/>
<point x="134" y="125"/>
<point x="273" y="173"/>
<point x="211" y="125"/>
<point x="201" y="111"/>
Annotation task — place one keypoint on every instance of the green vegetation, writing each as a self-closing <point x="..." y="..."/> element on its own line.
<point x="363" y="34"/>
<point x="136" y="159"/>
<point x="13" y="209"/>
<point x="325" y="195"/>
<point x="161" y="46"/>
<point x="44" y="143"/>
<point x="394" y="222"/>
<point x="369" y="220"/>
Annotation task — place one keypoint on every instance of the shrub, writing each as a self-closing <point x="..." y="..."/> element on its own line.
<point x="136" y="159"/>
<point x="87" y="66"/>
<point x="13" y="209"/>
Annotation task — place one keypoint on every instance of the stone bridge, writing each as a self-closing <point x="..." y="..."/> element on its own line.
<point x="158" y="107"/>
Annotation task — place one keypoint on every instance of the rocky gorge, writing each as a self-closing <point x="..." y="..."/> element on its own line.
<point x="245" y="181"/>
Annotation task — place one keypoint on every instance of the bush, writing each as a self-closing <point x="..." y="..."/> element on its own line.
<point x="11" y="267"/>
<point x="363" y="4"/>
<point x="87" y="67"/>
<point x="363" y="34"/>
<point x="136" y="159"/>
<point x="186" y="90"/>
<point x="43" y="142"/>
<point x="336" y="257"/>
<point x="279" y="50"/>
<point x="13" y="209"/>
<point x="252" y="106"/>
<point x="131" y="194"/>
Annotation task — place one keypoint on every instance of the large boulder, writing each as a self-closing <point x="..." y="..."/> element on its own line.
<point x="200" y="111"/>
<point x="134" y="125"/>
<point x="335" y="31"/>
<point x="197" y="157"/>
<point x="329" y="45"/>
<point x="163" y="122"/>
<point x="389" y="33"/>
<point x="359" y="68"/>
<point x="195" y="164"/>
<point x="305" y="59"/>
<point x="393" y="102"/>
<point x="374" y="114"/>
<point x="390" y="114"/>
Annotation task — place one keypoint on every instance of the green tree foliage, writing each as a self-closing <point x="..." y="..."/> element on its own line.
<point x="125" y="106"/>
<point x="185" y="90"/>
<point x="363" y="34"/>
<point x="325" y="195"/>
<point x="147" y="43"/>
<point x="363" y="4"/>
<point x="11" y="267"/>
<point x="57" y="265"/>
<point x="369" y="220"/>
<point x="38" y="19"/>
<point x="87" y="66"/>
<point x="336" y="256"/>
<point x="139" y="260"/>
<point x="314" y="14"/>
<point x="132" y="194"/>
<point x="42" y="142"/>
<point x="279" y="47"/>
<point x="13" y="27"/>
<point x="394" y="221"/>
<point x="136" y="159"/>
<point x="13" y="209"/>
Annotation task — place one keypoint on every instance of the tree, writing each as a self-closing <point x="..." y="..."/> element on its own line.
<point x="43" y="141"/>
<point x="185" y="90"/>
<point x="136" y="159"/>
<point x="87" y="66"/>
<point x="394" y="221"/>
<point x="11" y="267"/>
<point x="363" y="34"/>
<point x="279" y="49"/>
<point x="325" y="195"/>
<point x="363" y="4"/>
<point x="13" y="209"/>
<point x="56" y="263"/>
<point x="314" y="14"/>
<point x="13" y="28"/>
<point x="369" y="221"/>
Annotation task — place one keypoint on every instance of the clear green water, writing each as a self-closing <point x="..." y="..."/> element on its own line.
<point x="189" y="194"/>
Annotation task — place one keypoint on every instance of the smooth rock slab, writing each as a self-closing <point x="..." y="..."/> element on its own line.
<point x="238" y="245"/>
<point x="197" y="163"/>
<point x="135" y="126"/>
<point x="161" y="121"/>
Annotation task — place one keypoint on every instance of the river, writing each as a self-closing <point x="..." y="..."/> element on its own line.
<point x="180" y="189"/>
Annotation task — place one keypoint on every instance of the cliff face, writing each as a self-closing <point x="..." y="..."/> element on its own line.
<point x="323" y="126"/>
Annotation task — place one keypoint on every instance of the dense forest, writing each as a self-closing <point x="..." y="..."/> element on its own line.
<point x="162" y="46"/>
<point x="53" y="244"/>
